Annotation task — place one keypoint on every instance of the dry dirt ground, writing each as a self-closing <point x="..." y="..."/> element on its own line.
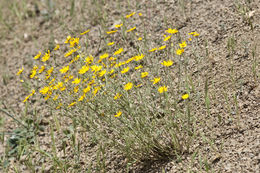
<point x="232" y="145"/>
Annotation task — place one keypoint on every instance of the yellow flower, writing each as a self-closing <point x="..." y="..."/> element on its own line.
<point x="140" y="38"/>
<point x="111" y="71"/>
<point x="139" y="57"/>
<point x="167" y="63"/>
<point x="125" y="70"/>
<point x="119" y="51"/>
<point x="76" y="81"/>
<point x="179" y="51"/>
<point x="128" y="86"/>
<point x="68" y="39"/>
<point x="167" y="38"/>
<point x="51" y="81"/>
<point x="111" y="32"/>
<point x="85" y="90"/>
<point x="72" y="104"/>
<point x="118" y="114"/>
<point x="59" y="106"/>
<point x="118" y="26"/>
<point x="102" y="73"/>
<point x="156" y="80"/>
<point x="45" y="90"/>
<point x="139" y="67"/>
<point x="41" y="69"/>
<point x="96" y="68"/>
<point x="131" y="29"/>
<point x="171" y="31"/>
<point x="183" y="44"/>
<point x="162" y="89"/>
<point x="144" y="74"/>
<point x="57" y="47"/>
<point x="20" y="71"/>
<point x="140" y="14"/>
<point x="89" y="59"/>
<point x="55" y="97"/>
<point x="190" y="39"/>
<point x="76" y="89"/>
<point x="152" y="50"/>
<point x="110" y="43"/>
<point x="38" y="55"/>
<point x="46" y="56"/>
<point x="64" y="69"/>
<point x="74" y="42"/>
<point x="96" y="89"/>
<point x="85" y="32"/>
<point x="82" y="97"/>
<point x="105" y="55"/>
<point x="83" y="69"/>
<point x="70" y="52"/>
<point x="162" y="47"/>
<point x="129" y="15"/>
<point x="33" y="73"/>
<point x="185" y="96"/>
<point x="195" y="34"/>
<point x="117" y="96"/>
<point x="139" y="85"/>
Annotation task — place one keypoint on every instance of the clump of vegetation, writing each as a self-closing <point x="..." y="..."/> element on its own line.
<point x="123" y="95"/>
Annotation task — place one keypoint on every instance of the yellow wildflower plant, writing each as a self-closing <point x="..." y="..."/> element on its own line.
<point x="20" y="71"/>
<point x="156" y="80"/>
<point x="38" y="55"/>
<point x="131" y="29"/>
<point x="144" y="74"/>
<point x="130" y="15"/>
<point x="140" y="14"/>
<point x="128" y="86"/>
<point x="162" y="89"/>
<point x="125" y="70"/>
<point x="64" y="69"/>
<point x="172" y="31"/>
<point x="118" y="51"/>
<point x="183" y="44"/>
<point x="85" y="32"/>
<point x="167" y="63"/>
<point x="179" y="51"/>
<point x="140" y="38"/>
<point x="118" y="114"/>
